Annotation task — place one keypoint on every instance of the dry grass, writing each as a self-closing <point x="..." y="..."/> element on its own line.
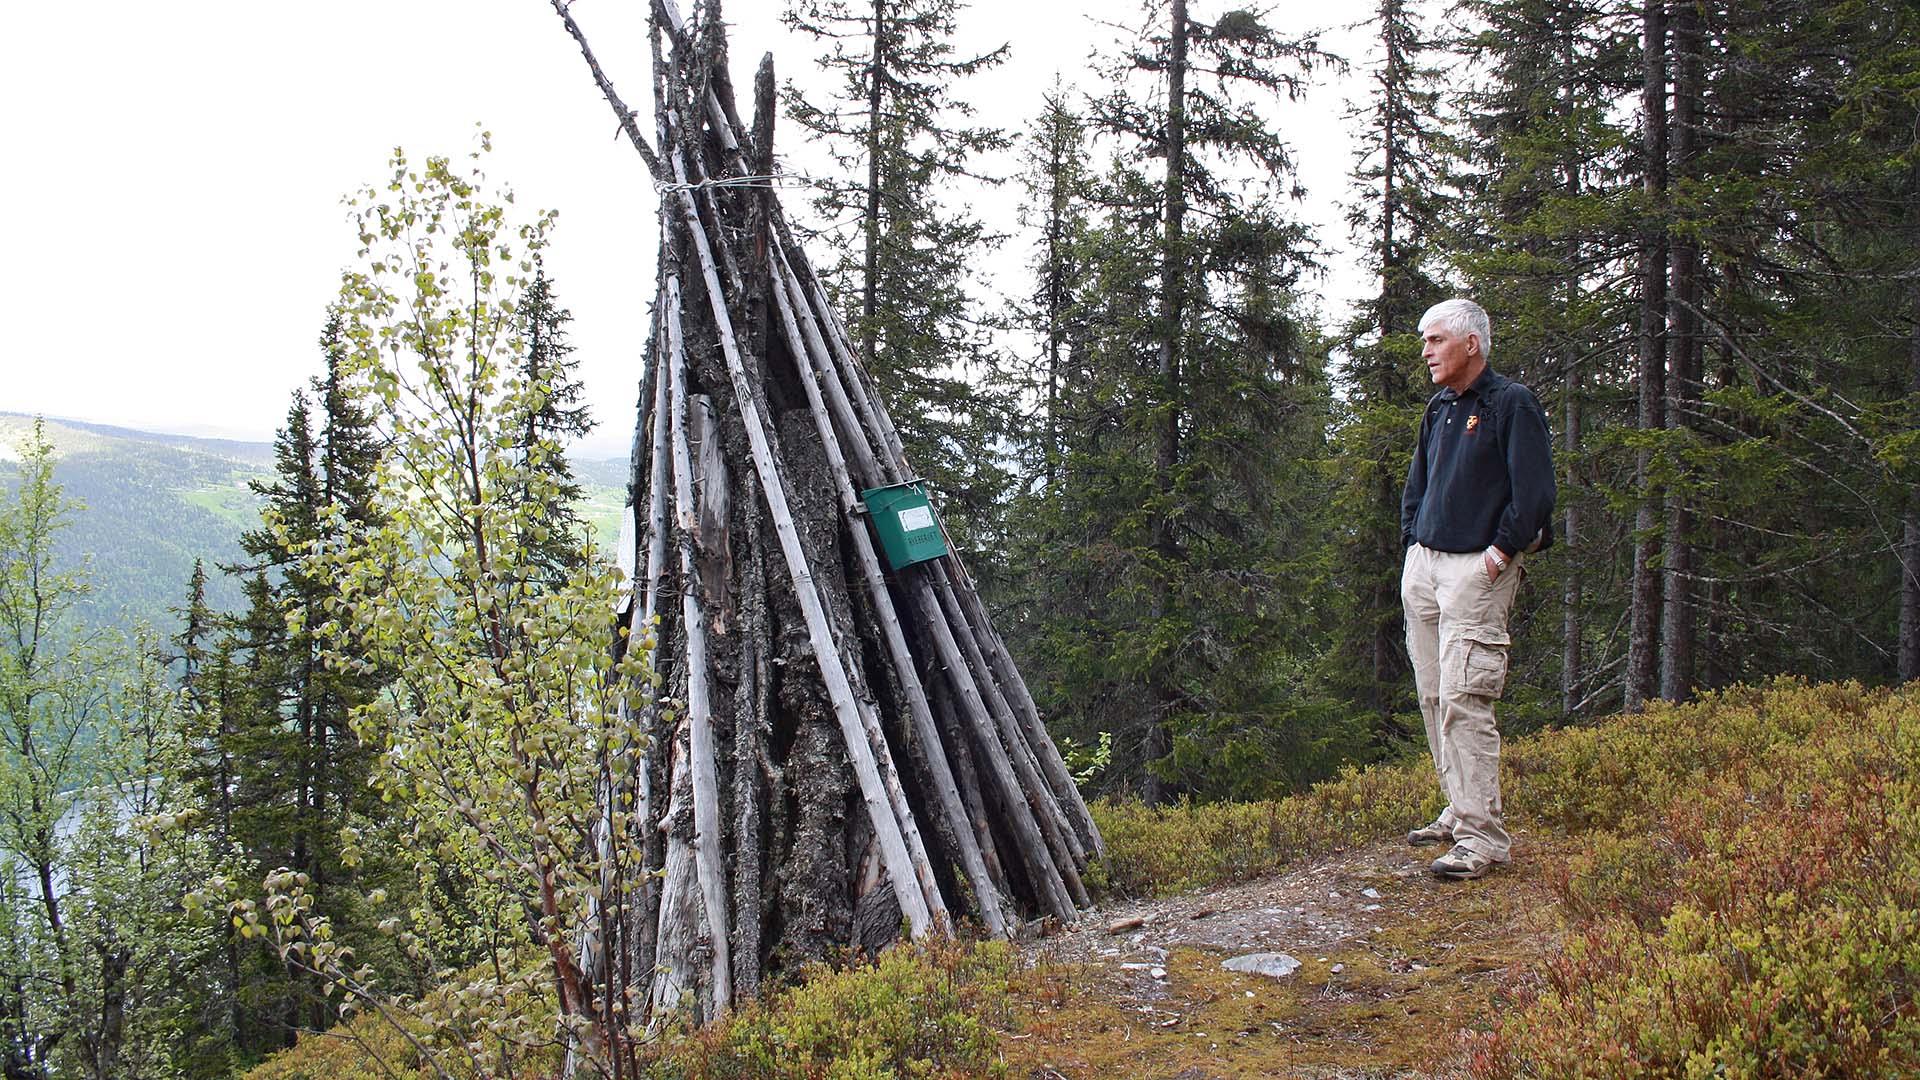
<point x="1443" y="961"/>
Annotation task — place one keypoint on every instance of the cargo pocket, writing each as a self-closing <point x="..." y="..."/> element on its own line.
<point x="1484" y="656"/>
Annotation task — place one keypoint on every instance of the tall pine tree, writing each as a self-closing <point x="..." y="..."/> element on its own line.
<point x="1192" y="410"/>
<point x="1397" y="218"/>
<point x="900" y="142"/>
<point x="299" y="771"/>
<point x="556" y="418"/>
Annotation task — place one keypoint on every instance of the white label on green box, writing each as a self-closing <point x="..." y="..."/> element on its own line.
<point x="916" y="517"/>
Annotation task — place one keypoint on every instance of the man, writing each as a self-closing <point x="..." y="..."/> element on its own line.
<point x="1479" y="497"/>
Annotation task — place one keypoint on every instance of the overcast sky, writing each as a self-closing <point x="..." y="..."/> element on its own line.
<point x="175" y="173"/>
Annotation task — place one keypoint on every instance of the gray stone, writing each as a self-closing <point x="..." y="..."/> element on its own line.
<point x="1273" y="965"/>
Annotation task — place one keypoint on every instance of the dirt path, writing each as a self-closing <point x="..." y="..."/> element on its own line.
<point x="1394" y="965"/>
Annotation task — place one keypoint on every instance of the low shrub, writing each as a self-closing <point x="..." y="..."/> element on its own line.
<point x="1619" y="777"/>
<point x="933" y="1010"/>
<point x="1630" y="875"/>
<point x="366" y="1047"/>
<point x="1783" y="937"/>
<point x="472" y="1026"/>
<point x="1154" y="851"/>
<point x="1746" y="903"/>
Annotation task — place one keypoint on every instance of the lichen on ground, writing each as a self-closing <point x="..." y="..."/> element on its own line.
<point x="1395" y="964"/>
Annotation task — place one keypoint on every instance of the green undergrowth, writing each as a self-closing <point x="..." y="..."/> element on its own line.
<point x="934" y="1009"/>
<point x="1754" y="908"/>
<point x="929" y="1010"/>
<point x="1738" y="886"/>
<point x="1159" y="851"/>
<point x="474" y="1029"/>
<point x="1744" y="896"/>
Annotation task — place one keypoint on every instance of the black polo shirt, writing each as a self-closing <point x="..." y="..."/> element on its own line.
<point x="1482" y="471"/>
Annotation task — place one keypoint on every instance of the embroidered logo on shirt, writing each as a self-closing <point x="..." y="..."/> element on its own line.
<point x="1473" y="422"/>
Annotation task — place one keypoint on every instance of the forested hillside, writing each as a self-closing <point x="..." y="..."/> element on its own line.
<point x="153" y="503"/>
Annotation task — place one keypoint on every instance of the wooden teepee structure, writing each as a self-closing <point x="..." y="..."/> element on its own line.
<point x="839" y="744"/>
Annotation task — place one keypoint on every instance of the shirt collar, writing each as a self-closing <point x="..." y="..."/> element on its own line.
<point x="1478" y="387"/>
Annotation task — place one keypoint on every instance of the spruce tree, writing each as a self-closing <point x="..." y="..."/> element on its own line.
<point x="1400" y="175"/>
<point x="1544" y="234"/>
<point x="299" y="770"/>
<point x="554" y="418"/>
<point x="900" y="143"/>
<point x="1194" y="415"/>
<point x="1716" y="281"/>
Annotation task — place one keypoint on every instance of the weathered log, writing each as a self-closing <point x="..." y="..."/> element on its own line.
<point x="1031" y="836"/>
<point x="893" y="468"/>
<point x="986" y="894"/>
<point x="704" y="770"/>
<point x="672" y="983"/>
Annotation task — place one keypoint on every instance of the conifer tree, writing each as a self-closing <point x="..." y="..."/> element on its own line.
<point x="900" y="142"/>
<point x="1059" y="186"/>
<point x="556" y="419"/>
<point x="1399" y="170"/>
<point x="298" y="769"/>
<point x="1800" y="198"/>
<point x="1194" y="389"/>
<point x="1643" y="622"/>
<point x="1544" y="234"/>
<point x="1734" y="238"/>
<point x="196" y="635"/>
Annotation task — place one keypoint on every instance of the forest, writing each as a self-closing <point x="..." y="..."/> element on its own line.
<point x="1696" y="228"/>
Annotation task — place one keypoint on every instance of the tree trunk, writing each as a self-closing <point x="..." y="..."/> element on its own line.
<point x="1159" y="742"/>
<point x="1056" y="294"/>
<point x="870" y="221"/>
<point x="1388" y="646"/>
<point x="1909" y="644"/>
<point x="1683" y="366"/>
<point x="1572" y="601"/>
<point x="1643" y="633"/>
<point x="1572" y="658"/>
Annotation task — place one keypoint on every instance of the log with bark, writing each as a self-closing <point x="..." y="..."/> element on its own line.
<point x="838" y="749"/>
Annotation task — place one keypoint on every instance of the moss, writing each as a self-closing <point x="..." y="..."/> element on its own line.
<point x="1394" y="1006"/>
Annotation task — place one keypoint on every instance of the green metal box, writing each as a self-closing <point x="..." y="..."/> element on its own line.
<point x="909" y="533"/>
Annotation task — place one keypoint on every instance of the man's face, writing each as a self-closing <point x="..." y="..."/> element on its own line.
<point x="1452" y="359"/>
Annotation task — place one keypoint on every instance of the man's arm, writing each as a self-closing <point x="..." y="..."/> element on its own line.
<point x="1529" y="450"/>
<point x="1416" y="488"/>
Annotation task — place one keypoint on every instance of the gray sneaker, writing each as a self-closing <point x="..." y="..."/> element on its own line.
<point x="1462" y="863"/>
<point x="1427" y="835"/>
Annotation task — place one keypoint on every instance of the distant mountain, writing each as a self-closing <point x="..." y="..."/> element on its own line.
<point x="605" y="482"/>
<point x="152" y="504"/>
<point x="155" y="502"/>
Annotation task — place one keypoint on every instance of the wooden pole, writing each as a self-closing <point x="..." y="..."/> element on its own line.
<point x="1067" y="855"/>
<point x="900" y="846"/>
<point x="945" y="791"/>
<point x="709" y="868"/>
<point x="892" y="468"/>
<point x="1030" y="837"/>
<point x="1026" y="825"/>
<point x="1055" y="873"/>
<point x="1015" y="687"/>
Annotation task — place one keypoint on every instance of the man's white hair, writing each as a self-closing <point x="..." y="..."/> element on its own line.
<point x="1461" y="317"/>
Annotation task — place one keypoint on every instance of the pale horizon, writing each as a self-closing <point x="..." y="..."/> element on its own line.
<point x="186" y="169"/>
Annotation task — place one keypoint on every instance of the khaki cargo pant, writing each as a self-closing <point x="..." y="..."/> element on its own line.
<point x="1457" y="640"/>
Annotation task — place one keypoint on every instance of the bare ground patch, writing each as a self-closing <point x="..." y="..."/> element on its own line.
<point x="1395" y="964"/>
